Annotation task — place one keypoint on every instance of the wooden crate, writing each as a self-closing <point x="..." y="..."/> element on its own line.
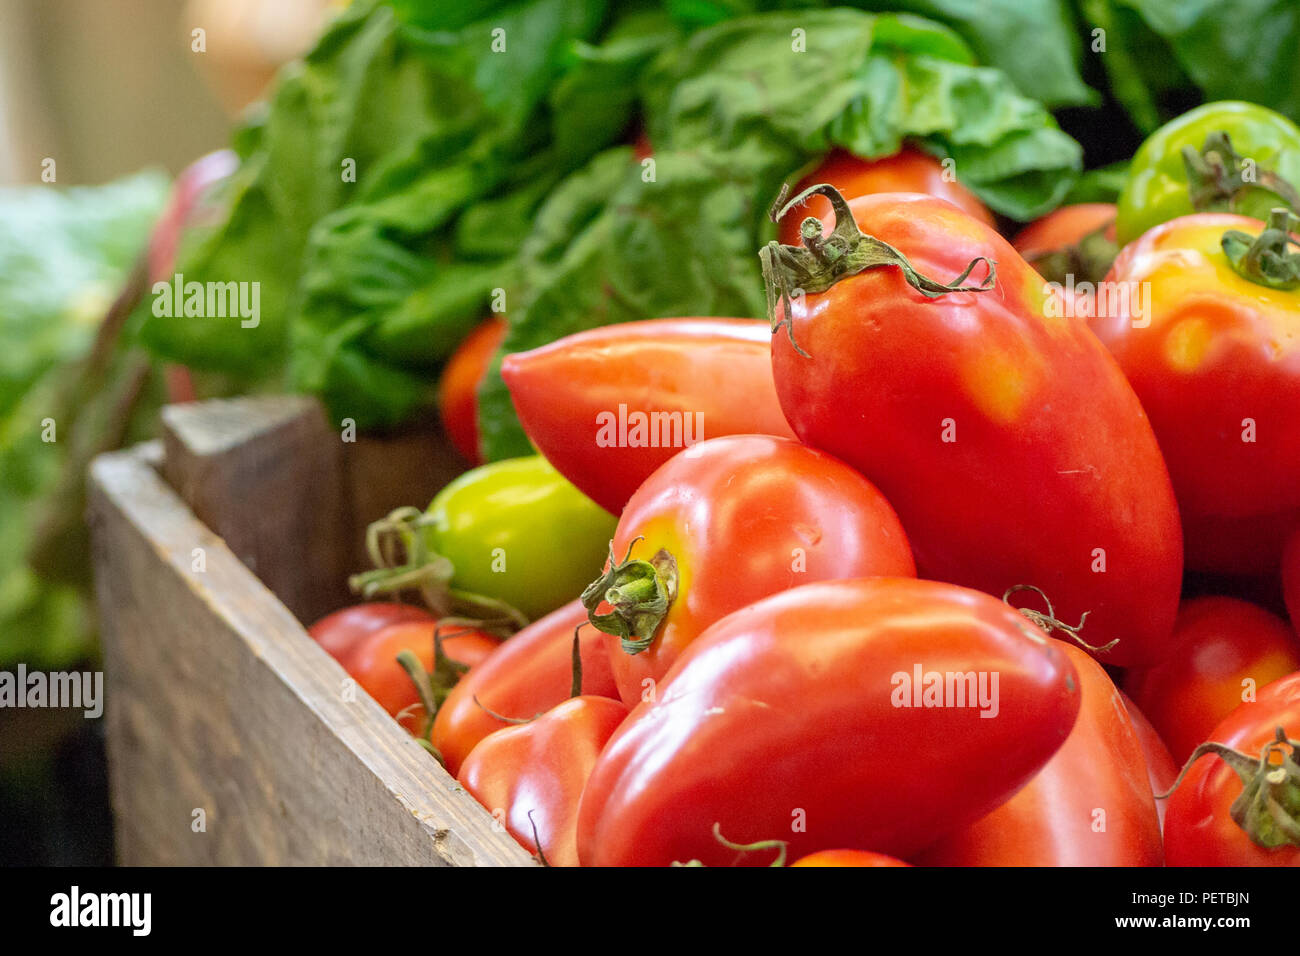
<point x="232" y="737"/>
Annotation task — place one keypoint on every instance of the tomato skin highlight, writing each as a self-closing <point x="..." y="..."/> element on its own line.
<point x="715" y="373"/>
<point x="1199" y="831"/>
<point x="787" y="705"/>
<point x="908" y="171"/>
<point x="340" y="631"/>
<point x="542" y="767"/>
<point x="1006" y="437"/>
<point x="1051" y="821"/>
<point x="746" y="516"/>
<point x="848" y="858"/>
<point x="1222" y="643"/>
<point x="458" y="387"/>
<point x="373" y="662"/>
<point x="528" y="674"/>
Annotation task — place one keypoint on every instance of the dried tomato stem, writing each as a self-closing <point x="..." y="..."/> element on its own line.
<point x="821" y="262"/>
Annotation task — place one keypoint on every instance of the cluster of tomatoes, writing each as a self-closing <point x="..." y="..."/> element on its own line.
<point x="917" y="594"/>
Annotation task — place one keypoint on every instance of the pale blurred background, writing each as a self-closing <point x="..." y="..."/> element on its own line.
<point x="108" y="87"/>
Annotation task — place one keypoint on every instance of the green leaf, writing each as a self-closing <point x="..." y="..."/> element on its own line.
<point x="1143" y="71"/>
<point x="64" y="255"/>
<point x="1233" y="49"/>
<point x="1034" y="42"/>
<point x="367" y="285"/>
<point x="1099" y="185"/>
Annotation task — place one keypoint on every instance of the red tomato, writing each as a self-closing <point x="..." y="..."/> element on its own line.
<point x="1215" y="359"/>
<point x="532" y="775"/>
<point x="1226" y="649"/>
<point x="1063" y="228"/>
<point x="1161" y="769"/>
<point x="907" y="171"/>
<point x="530" y="673"/>
<point x="848" y="858"/>
<point x="581" y="399"/>
<point x="743" y="517"/>
<point x="1291" y="578"/>
<point x="339" y="632"/>
<point x="1006" y="437"/>
<point x="1073" y="247"/>
<point x="1090" y="805"/>
<point x="373" y="662"/>
<point x="1199" y="828"/>
<point x="797" y="717"/>
<point x="458" y="387"/>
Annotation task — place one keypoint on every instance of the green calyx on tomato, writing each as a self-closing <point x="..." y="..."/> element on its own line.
<point x="398" y="546"/>
<point x="1218" y="177"/>
<point x="432" y="686"/>
<point x="1266" y="259"/>
<point x="639" y="594"/>
<point x="823" y="261"/>
<point x="503" y="544"/>
<point x="1268" y="808"/>
<point x="1225" y="156"/>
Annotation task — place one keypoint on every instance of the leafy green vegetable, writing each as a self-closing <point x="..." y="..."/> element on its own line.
<point x="367" y="285"/>
<point x="64" y="253"/>
<point x="733" y="112"/>
<point x="1156" y="50"/>
<point x="1033" y="41"/>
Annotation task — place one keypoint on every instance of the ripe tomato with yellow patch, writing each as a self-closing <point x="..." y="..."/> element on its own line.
<point x="721" y="525"/>
<point x="1001" y="430"/>
<point x="1213" y="351"/>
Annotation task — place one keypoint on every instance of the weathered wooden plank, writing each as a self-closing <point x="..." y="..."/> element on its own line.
<point x="264" y="473"/>
<point x="290" y="494"/>
<point x="217" y="701"/>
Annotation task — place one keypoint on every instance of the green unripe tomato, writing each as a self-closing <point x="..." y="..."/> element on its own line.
<point x="517" y="531"/>
<point x="1157" y="188"/>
